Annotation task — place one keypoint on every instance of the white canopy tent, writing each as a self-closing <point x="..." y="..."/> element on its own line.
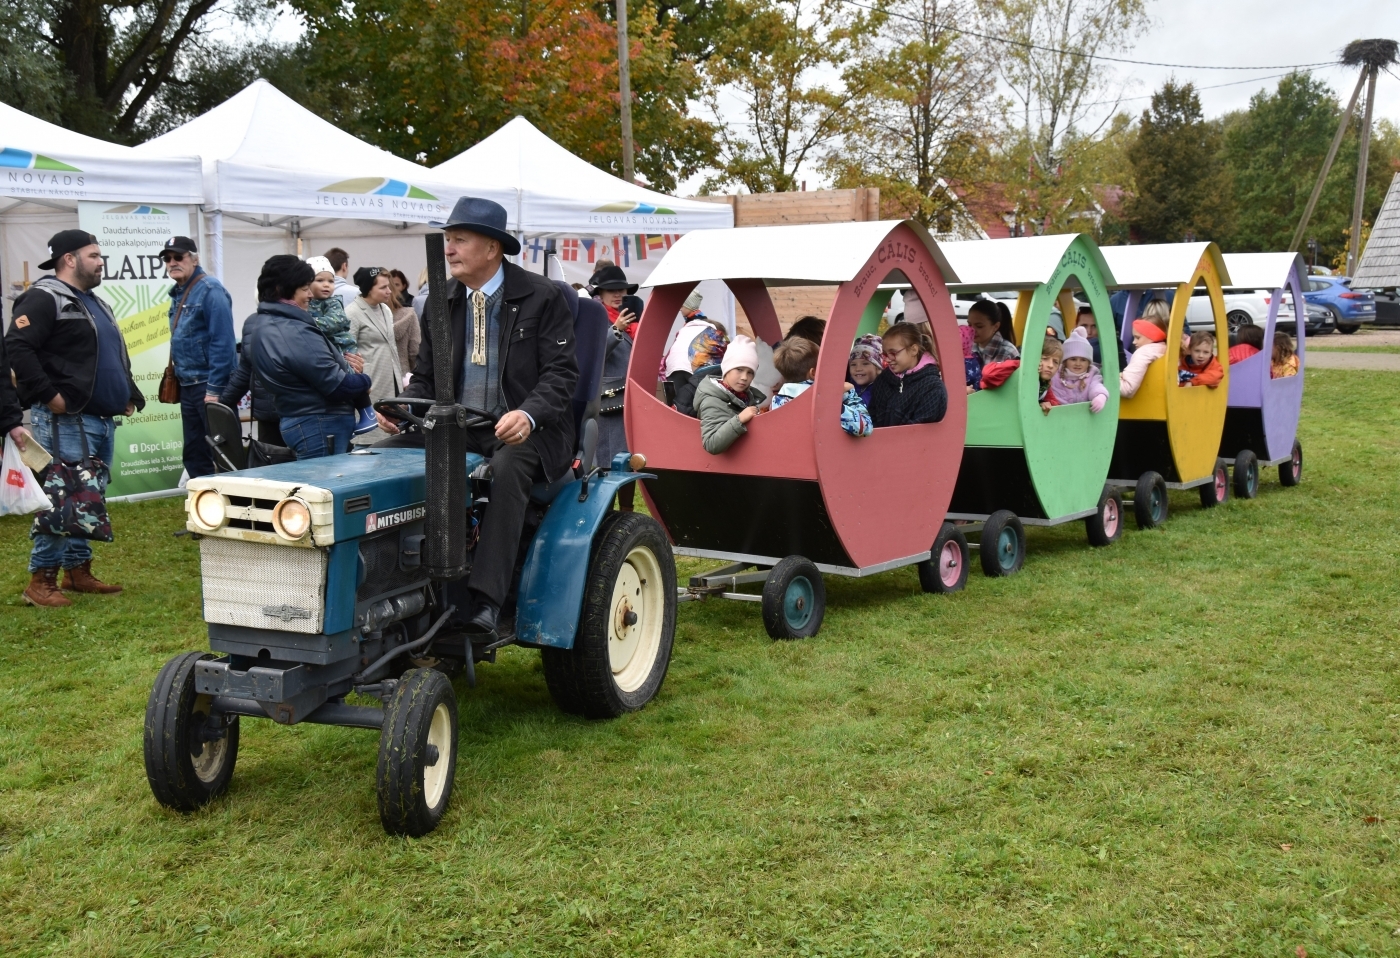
<point x="554" y="193"/>
<point x="280" y="179"/>
<point x="590" y="213"/>
<point x="45" y="171"/>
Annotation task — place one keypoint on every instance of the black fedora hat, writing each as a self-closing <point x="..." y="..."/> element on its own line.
<point x="483" y="216"/>
<point x="611" y="277"/>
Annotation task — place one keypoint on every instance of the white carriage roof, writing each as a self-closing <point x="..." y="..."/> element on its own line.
<point x="1021" y="263"/>
<point x="1159" y="265"/>
<point x="1263" y="270"/>
<point x="1380" y="261"/>
<point x="264" y="152"/>
<point x="810" y="255"/>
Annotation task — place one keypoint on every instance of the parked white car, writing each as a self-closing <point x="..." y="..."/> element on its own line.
<point x="1250" y="307"/>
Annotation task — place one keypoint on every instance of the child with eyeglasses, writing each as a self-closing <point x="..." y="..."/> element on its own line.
<point x="910" y="390"/>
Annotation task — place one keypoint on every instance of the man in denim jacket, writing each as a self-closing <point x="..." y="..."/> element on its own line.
<point x="201" y="345"/>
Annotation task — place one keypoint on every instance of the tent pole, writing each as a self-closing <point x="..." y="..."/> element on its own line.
<point x="216" y="245"/>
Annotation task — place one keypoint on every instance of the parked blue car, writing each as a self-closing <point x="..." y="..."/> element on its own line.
<point x="1349" y="308"/>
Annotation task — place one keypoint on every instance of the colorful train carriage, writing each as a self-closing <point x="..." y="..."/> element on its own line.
<point x="797" y="497"/>
<point x="1020" y="465"/>
<point x="1261" y="421"/>
<point x="1169" y="434"/>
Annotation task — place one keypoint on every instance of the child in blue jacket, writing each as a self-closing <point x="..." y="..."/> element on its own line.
<point x="796" y="359"/>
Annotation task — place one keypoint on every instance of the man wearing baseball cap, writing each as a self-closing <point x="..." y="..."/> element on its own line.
<point x="71" y="368"/>
<point x="513" y="355"/>
<point x="201" y="346"/>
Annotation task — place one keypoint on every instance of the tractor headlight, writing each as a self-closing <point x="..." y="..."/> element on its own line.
<point x="291" y="519"/>
<point x="208" y="509"/>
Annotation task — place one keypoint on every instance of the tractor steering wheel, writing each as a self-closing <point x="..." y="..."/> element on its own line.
<point x="399" y="409"/>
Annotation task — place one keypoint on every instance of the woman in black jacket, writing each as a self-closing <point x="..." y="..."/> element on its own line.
<point x="315" y="389"/>
<point x="910" y="390"/>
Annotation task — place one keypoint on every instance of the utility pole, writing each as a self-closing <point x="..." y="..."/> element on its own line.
<point x="624" y="78"/>
<point x="1354" y="249"/>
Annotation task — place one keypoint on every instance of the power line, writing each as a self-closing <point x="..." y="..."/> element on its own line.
<point x="1090" y="56"/>
<point x="1198" y="89"/>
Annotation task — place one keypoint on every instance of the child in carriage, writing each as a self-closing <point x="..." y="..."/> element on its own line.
<point x="1078" y="380"/>
<point x="1051" y="352"/>
<point x="910" y="389"/>
<point x="867" y="359"/>
<point x="1149" y="345"/>
<point x="726" y="404"/>
<point x="1285" y="358"/>
<point x="796" y="359"/>
<point x="1199" y="367"/>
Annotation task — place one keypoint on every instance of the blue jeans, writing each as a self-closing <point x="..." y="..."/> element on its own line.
<point x="315" y="436"/>
<point x="198" y="457"/>
<point x="50" y="552"/>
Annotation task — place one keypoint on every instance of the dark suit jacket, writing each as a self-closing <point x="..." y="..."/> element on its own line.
<point x="539" y="369"/>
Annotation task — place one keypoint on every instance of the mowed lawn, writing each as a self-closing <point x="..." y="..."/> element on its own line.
<point x="1183" y="744"/>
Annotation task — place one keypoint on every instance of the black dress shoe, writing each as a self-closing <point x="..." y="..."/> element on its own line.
<point x="483" y="620"/>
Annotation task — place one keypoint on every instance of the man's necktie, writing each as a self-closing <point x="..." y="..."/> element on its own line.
<point x="479" y="328"/>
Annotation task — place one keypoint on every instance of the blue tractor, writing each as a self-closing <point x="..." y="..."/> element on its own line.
<point x="343" y="577"/>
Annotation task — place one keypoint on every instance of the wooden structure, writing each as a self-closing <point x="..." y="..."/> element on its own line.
<point x="798" y="208"/>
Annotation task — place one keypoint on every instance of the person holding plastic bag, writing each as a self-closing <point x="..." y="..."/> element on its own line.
<point x="20" y="492"/>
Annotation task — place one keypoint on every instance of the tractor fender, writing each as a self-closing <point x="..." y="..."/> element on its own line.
<point x="550" y="598"/>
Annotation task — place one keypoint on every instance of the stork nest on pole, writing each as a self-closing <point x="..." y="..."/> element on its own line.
<point x="1373" y="54"/>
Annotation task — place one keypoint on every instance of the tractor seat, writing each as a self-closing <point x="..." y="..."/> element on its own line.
<point x="543" y="493"/>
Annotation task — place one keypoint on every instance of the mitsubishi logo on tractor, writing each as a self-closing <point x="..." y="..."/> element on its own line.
<point x="375" y="521"/>
<point x="286" y="612"/>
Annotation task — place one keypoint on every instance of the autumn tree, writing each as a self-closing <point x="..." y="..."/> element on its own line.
<point x="427" y="80"/>
<point x="781" y="65"/>
<point x="916" y="125"/>
<point x="1182" y="187"/>
<point x="1048" y="52"/>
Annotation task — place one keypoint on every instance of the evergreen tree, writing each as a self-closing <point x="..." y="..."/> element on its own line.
<point x="1182" y="188"/>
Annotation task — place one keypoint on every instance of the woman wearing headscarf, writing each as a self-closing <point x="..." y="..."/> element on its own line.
<point x="372" y="326"/>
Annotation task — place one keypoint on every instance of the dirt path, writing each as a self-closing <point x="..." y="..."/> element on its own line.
<point x="1335" y="359"/>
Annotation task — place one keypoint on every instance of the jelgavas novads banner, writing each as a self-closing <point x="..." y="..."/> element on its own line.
<point x="149" y="444"/>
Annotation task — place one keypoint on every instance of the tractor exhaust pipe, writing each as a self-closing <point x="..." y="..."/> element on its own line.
<point x="444" y="437"/>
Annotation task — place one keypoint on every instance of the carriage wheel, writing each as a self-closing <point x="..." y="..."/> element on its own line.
<point x="1105" y="526"/>
<point x="1290" y="473"/>
<point x="1002" y="547"/>
<point x="945" y="570"/>
<point x="1217" y="490"/>
<point x="1150" y="500"/>
<point x="1246" y="475"/>
<point x="794" y="599"/>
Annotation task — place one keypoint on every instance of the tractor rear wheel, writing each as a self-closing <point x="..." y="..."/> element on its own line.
<point x="417" y="753"/>
<point x="189" y="756"/>
<point x="623" y="645"/>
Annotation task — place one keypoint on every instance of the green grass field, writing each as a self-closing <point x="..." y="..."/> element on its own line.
<point x="1185" y="744"/>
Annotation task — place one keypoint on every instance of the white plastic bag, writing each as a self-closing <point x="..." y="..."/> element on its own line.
<point x="20" y="492"/>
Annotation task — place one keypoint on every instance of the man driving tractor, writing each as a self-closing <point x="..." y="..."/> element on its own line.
<point x="513" y="353"/>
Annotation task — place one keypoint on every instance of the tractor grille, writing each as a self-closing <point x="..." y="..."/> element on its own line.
<point x="263" y="586"/>
<point x="382" y="573"/>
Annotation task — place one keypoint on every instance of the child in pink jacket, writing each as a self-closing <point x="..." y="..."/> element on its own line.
<point x="1149" y="345"/>
<point x="1077" y="380"/>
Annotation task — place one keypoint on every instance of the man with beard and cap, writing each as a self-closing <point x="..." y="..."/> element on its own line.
<point x="71" y="368"/>
<point x="513" y="354"/>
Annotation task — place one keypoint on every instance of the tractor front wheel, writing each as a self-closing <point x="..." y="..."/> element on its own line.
<point x="417" y="753"/>
<point x="189" y="754"/>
